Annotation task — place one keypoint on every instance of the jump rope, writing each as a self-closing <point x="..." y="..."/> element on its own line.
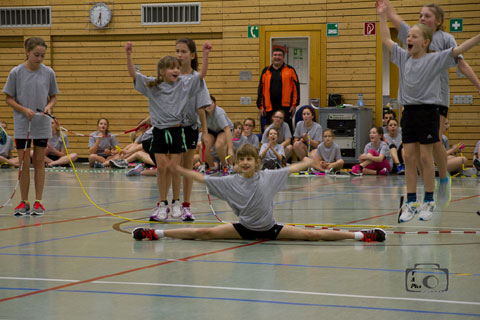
<point x="220" y="221"/>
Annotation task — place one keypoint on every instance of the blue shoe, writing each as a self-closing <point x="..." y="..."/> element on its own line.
<point x="400" y="169"/>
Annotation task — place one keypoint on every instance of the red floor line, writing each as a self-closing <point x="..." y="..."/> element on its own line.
<point x="127" y="271"/>
<point x="70" y="220"/>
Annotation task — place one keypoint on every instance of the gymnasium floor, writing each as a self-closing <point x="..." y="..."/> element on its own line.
<point x="78" y="262"/>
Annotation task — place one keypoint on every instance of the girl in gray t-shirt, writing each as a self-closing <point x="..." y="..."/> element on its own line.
<point x="328" y="153"/>
<point x="376" y="155"/>
<point x="250" y="195"/>
<point x="272" y="153"/>
<point x="31" y="86"/>
<point x="393" y="138"/>
<point x="6" y="149"/>
<point x="102" y="145"/>
<point x="248" y="127"/>
<point x="307" y="135"/>
<point x="56" y="154"/>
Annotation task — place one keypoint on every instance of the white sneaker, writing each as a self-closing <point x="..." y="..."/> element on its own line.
<point x="426" y="211"/>
<point x="160" y="213"/>
<point x="408" y="211"/>
<point x="176" y="210"/>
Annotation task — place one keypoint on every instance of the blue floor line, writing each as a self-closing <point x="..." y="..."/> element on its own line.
<point x="257" y="301"/>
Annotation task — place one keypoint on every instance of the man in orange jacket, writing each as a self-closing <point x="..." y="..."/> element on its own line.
<point x="278" y="89"/>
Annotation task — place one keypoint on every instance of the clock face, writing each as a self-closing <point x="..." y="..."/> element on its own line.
<point x="100" y="15"/>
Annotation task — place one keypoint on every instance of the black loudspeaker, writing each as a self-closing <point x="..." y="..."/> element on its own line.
<point x="334" y="100"/>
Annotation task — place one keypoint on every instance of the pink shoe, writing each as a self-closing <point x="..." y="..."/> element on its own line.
<point x="383" y="172"/>
<point x="357" y="170"/>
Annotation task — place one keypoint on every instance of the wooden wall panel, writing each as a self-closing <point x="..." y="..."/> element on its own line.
<point x="93" y="80"/>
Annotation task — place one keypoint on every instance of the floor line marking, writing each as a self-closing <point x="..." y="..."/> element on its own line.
<point x="128" y="271"/>
<point x="296" y="292"/>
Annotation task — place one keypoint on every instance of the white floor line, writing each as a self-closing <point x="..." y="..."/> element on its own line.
<point x="254" y="290"/>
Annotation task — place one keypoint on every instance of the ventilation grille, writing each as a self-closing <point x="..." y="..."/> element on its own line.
<point x="173" y="13"/>
<point x="25" y="17"/>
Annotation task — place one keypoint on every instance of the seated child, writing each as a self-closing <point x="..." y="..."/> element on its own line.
<point x="376" y="156"/>
<point x="6" y="148"/>
<point x="238" y="139"/>
<point x="393" y="138"/>
<point x="254" y="209"/>
<point x="102" y="145"/>
<point x="453" y="163"/>
<point x="328" y="153"/>
<point x="55" y="153"/>
<point x="307" y="135"/>
<point x="272" y="153"/>
<point x="476" y="159"/>
<point x="248" y="127"/>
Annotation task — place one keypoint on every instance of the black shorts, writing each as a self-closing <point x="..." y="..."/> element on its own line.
<point x="53" y="157"/>
<point x="191" y="137"/>
<point x="214" y="133"/>
<point x="169" y="140"/>
<point x="248" y="234"/>
<point x="443" y="111"/>
<point x="20" y="143"/>
<point x="420" y="124"/>
<point x="147" y="147"/>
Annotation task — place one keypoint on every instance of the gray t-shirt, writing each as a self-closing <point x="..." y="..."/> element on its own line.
<point x="167" y="101"/>
<point x="270" y="155"/>
<point x="218" y="120"/>
<point x="31" y="89"/>
<point x="253" y="139"/>
<point x="108" y="142"/>
<point x="146" y="135"/>
<point x="381" y="149"/>
<point x="477" y="146"/>
<point x="314" y="132"/>
<point x="397" y="141"/>
<point x="440" y="41"/>
<point x="283" y="133"/>
<point x="6" y="148"/>
<point x="419" y="80"/>
<point x="331" y="154"/>
<point x="251" y="199"/>
<point x="201" y="99"/>
<point x="56" y="142"/>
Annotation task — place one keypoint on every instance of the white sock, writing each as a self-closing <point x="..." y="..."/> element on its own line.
<point x="159" y="233"/>
<point x="359" y="236"/>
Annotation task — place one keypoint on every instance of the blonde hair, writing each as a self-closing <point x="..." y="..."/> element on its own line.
<point x="427" y="33"/>
<point x="167" y="62"/>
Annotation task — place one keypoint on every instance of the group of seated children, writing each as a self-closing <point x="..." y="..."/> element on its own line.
<point x="382" y="155"/>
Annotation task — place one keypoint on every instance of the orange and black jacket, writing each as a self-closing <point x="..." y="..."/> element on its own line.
<point x="290" y="88"/>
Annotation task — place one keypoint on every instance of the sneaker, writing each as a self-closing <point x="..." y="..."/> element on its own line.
<point x="400" y="169"/>
<point x="376" y="234"/>
<point x="356" y="170"/>
<point x="144" y="233"/>
<point x="98" y="165"/>
<point x="444" y="193"/>
<point x="476" y="163"/>
<point x="176" y="210"/>
<point x="329" y="171"/>
<point x="22" y="209"/>
<point x="225" y="171"/>
<point x="426" y="211"/>
<point x="38" y="209"/>
<point x="210" y="171"/>
<point x="187" y="214"/>
<point x="201" y="168"/>
<point x="383" y="172"/>
<point x="160" y="213"/>
<point x="118" y="164"/>
<point x="137" y="171"/>
<point x="408" y="211"/>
